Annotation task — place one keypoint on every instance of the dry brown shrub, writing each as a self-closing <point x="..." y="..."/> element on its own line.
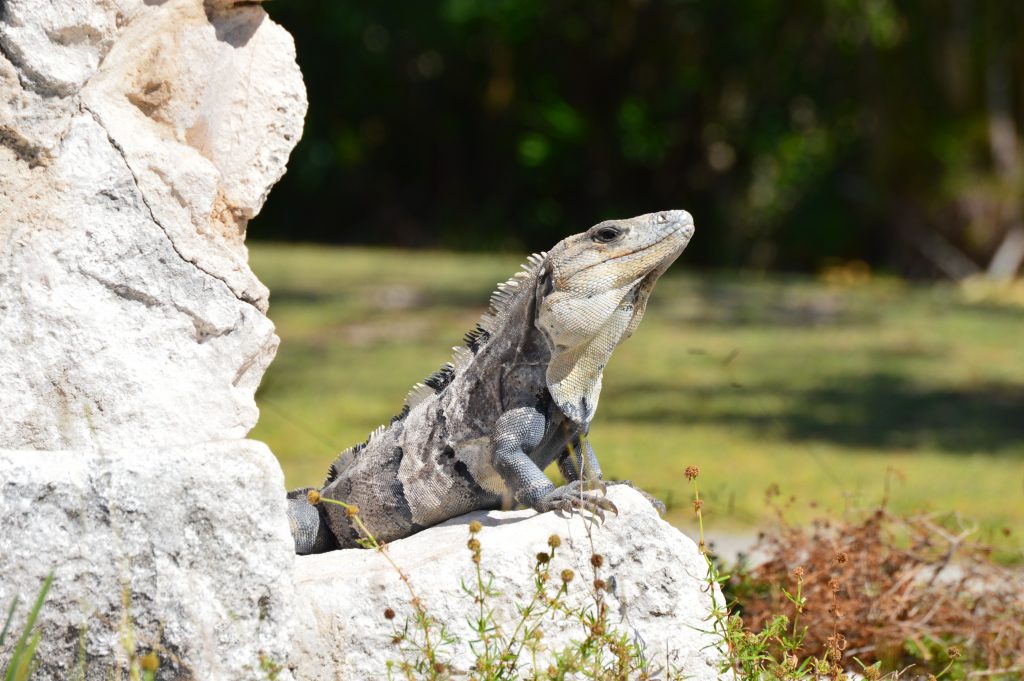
<point x="907" y="591"/>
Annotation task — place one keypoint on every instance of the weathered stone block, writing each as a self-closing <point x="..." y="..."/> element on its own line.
<point x="657" y="593"/>
<point x="187" y="546"/>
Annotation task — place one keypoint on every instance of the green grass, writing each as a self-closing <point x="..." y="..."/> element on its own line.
<point x="819" y="389"/>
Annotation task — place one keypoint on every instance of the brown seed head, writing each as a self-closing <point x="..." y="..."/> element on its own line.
<point x="567" y="575"/>
<point x="543" y="558"/>
<point x="798" y="573"/>
<point x="313" y="497"/>
<point x="953" y="652"/>
<point x="475" y="527"/>
<point x="597" y="560"/>
<point x="149" y="662"/>
<point x="833" y="584"/>
<point x="842" y="558"/>
<point x="599" y="585"/>
<point x="697" y="505"/>
<point x="389" y="614"/>
<point x="473" y="544"/>
<point x="554" y="541"/>
<point x="691" y="472"/>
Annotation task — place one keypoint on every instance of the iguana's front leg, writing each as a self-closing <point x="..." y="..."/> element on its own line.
<point x="518" y="432"/>
<point x="588" y="471"/>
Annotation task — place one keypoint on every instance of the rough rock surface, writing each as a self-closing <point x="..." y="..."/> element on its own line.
<point x="657" y="593"/>
<point x="194" y="540"/>
<point x="136" y="140"/>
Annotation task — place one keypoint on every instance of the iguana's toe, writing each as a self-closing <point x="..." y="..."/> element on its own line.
<point x="574" y="497"/>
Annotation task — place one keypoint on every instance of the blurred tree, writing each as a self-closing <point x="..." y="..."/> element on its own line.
<point x="795" y="132"/>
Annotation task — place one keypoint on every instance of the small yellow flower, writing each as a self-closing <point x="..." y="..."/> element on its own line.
<point x="554" y="541"/>
<point x="567" y="575"/>
<point x="475" y="527"/>
<point x="313" y="497"/>
<point x="351" y="510"/>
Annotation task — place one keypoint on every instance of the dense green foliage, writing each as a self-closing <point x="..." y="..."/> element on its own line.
<point x="794" y="131"/>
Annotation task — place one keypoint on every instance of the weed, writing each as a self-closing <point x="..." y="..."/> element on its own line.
<point x="877" y="595"/>
<point x="22" y="663"/>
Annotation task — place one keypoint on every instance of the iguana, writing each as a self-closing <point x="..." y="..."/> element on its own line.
<point x="519" y="394"/>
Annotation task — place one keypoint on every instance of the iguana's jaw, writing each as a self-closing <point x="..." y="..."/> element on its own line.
<point x="678" y="230"/>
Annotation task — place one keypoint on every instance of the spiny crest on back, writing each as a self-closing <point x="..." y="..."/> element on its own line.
<point x="462" y="355"/>
<point x="476" y="338"/>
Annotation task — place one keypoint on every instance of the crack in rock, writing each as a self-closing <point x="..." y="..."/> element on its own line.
<point x="204" y="329"/>
<point x="149" y="209"/>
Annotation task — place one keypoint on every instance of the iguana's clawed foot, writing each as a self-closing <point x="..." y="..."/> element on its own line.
<point x="576" y="497"/>
<point x="658" y="505"/>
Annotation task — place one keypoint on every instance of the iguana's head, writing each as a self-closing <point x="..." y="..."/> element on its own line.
<point x="592" y="293"/>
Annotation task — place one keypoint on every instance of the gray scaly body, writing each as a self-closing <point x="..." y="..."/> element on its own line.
<point x="479" y="433"/>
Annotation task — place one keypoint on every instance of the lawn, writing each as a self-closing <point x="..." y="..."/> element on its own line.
<point x="821" y="389"/>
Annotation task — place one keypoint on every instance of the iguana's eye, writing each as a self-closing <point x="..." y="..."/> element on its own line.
<point x="607" y="234"/>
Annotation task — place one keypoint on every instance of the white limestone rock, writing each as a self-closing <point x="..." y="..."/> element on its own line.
<point x="136" y="141"/>
<point x="656" y="575"/>
<point x="193" y="539"/>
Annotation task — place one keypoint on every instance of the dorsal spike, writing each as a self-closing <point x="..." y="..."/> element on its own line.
<point x="535" y="261"/>
<point x="440" y="379"/>
<point x="418" y="395"/>
<point x="461" y="357"/>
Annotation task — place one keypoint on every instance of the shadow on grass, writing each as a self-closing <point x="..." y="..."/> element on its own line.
<point x="876" y="411"/>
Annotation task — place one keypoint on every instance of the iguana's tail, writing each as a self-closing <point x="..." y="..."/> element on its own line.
<point x="308" y="524"/>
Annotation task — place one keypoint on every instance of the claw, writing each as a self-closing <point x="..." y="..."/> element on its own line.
<point x="574" y="497"/>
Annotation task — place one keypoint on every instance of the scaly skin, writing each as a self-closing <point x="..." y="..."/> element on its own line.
<point x="519" y="396"/>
